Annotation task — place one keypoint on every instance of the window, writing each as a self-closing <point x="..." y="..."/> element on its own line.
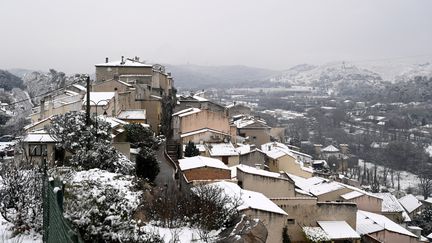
<point x="290" y="221"/>
<point x="38" y="149"/>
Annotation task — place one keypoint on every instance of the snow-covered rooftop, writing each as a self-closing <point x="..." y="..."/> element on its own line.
<point x="315" y="185"/>
<point x="243" y="148"/>
<point x="199" y="98"/>
<point x="246" y="121"/>
<point x="187" y="112"/>
<point x="276" y="150"/>
<point x="352" y="195"/>
<point x="202" y="131"/>
<point x="325" y="187"/>
<point x="255" y="171"/>
<point x="390" y="202"/>
<point x="201" y="161"/>
<point x="126" y="63"/>
<point x="222" y="149"/>
<point x="40" y="136"/>
<point x="80" y="87"/>
<point x="249" y="199"/>
<point x="99" y="98"/>
<point x="330" y="149"/>
<point x="338" y="230"/>
<point x="124" y="83"/>
<point x="368" y="222"/>
<point x="410" y="203"/>
<point x="27" y="127"/>
<point x="137" y="114"/>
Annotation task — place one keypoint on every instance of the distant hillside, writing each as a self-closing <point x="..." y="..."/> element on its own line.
<point x="417" y="70"/>
<point x="194" y="76"/>
<point x="337" y="78"/>
<point x="20" y="72"/>
<point x="8" y="81"/>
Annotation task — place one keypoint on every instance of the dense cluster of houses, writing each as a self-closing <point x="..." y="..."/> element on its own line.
<point x="276" y="183"/>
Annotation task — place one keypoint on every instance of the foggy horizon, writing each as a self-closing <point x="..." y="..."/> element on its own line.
<point x="73" y="36"/>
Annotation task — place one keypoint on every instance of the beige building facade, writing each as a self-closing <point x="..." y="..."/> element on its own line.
<point x="307" y="211"/>
<point x="272" y="185"/>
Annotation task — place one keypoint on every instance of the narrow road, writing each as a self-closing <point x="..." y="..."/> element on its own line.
<point x="166" y="173"/>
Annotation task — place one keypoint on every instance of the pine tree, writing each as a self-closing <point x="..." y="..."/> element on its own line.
<point x="140" y="136"/>
<point x="191" y="150"/>
<point x="147" y="165"/>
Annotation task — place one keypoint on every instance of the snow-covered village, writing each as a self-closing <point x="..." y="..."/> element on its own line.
<point x="192" y="121"/>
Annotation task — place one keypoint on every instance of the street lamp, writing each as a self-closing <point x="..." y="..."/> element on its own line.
<point x="105" y="105"/>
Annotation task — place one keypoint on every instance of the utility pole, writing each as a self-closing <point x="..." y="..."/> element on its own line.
<point x="88" y="102"/>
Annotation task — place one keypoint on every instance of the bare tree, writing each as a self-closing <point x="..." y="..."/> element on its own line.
<point x="425" y="179"/>
<point x="398" y="176"/>
<point x="385" y="173"/>
<point x="375" y="183"/>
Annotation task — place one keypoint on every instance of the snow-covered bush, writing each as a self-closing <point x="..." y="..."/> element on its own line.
<point x="101" y="206"/>
<point x="21" y="197"/>
<point x="90" y="146"/>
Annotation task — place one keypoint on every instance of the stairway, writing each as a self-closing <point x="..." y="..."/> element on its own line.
<point x="172" y="149"/>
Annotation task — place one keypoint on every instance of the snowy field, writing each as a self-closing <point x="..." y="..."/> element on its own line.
<point x="407" y="179"/>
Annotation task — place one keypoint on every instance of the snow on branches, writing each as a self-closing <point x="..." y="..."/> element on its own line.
<point x="90" y="145"/>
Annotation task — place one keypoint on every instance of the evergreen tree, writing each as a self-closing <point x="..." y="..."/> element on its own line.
<point x="424" y="221"/>
<point x="147" y="165"/>
<point x="168" y="102"/>
<point x="140" y="136"/>
<point x="285" y="236"/>
<point x="191" y="150"/>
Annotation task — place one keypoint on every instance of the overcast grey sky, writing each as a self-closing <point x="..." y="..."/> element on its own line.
<point x="72" y="36"/>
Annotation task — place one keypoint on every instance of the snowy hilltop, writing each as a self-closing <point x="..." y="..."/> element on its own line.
<point x="306" y="74"/>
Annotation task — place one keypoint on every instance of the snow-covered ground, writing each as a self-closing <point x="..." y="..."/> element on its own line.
<point x="407" y="179"/>
<point x="428" y="150"/>
<point x="182" y="234"/>
<point x="4" y="145"/>
<point x="6" y="234"/>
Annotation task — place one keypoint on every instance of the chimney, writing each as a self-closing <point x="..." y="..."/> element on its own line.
<point x="318" y="150"/>
<point x="42" y="109"/>
<point x="122" y="60"/>
<point x="106" y="59"/>
<point x="344" y="148"/>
